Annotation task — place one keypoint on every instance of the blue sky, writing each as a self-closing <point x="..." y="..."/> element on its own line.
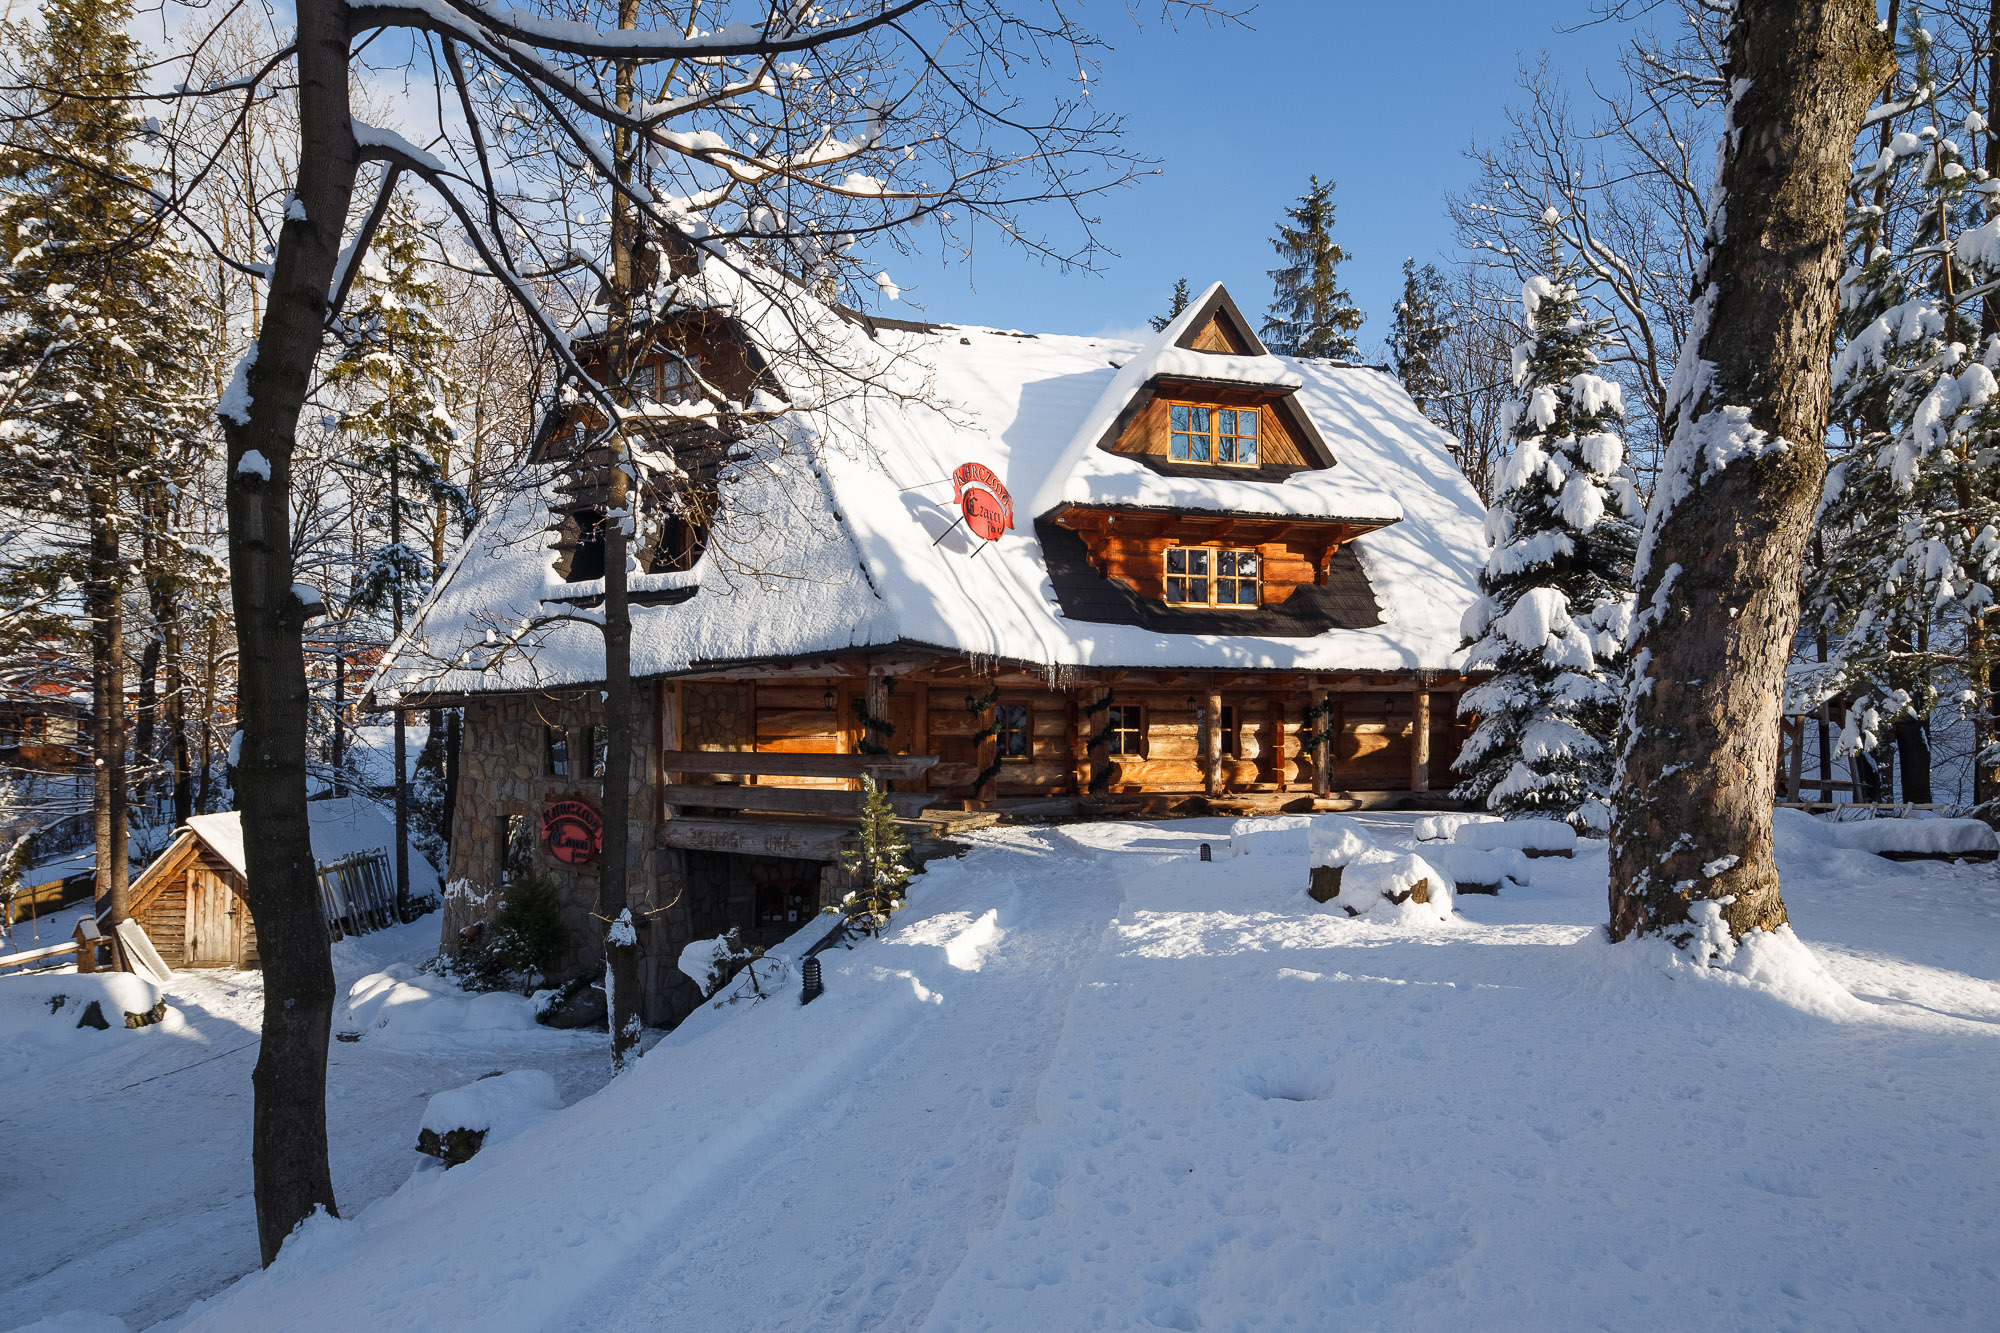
<point x="1382" y="98"/>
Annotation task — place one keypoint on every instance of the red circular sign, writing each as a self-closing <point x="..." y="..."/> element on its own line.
<point x="988" y="509"/>
<point x="573" y="830"/>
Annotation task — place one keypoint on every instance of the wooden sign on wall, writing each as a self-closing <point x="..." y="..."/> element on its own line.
<point x="573" y="830"/>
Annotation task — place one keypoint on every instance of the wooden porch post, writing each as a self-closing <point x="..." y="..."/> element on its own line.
<point x="670" y="736"/>
<point x="1275" y="751"/>
<point x="1092" y="744"/>
<point x="875" y="702"/>
<point x="920" y="728"/>
<point x="1420" y="740"/>
<point x="1322" y="748"/>
<point x="1212" y="779"/>
<point x="988" y="755"/>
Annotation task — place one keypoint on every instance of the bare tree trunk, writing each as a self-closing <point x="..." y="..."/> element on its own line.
<point x="401" y="724"/>
<point x="107" y="703"/>
<point x="176" y="717"/>
<point x="288" y="1145"/>
<point x="1718" y="586"/>
<point x="621" y="949"/>
<point x="146" y="715"/>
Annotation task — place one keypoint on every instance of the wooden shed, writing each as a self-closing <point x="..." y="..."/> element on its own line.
<point x="190" y="901"/>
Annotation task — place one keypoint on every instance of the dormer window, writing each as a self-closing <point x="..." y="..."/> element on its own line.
<point x="1206" y="434"/>
<point x="1211" y="576"/>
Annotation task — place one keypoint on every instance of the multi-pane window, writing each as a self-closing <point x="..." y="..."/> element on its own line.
<point x="1014" y="739"/>
<point x="517" y="847"/>
<point x="1212" y="434"/>
<point x="1236" y="436"/>
<point x="1193" y="429"/>
<point x="558" y="747"/>
<point x="600" y="751"/>
<point x="1211" y="576"/>
<point x="1127" y="731"/>
<point x="677" y="382"/>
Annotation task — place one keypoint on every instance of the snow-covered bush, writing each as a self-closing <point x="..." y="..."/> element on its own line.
<point x="1556" y="590"/>
<point x="525" y="942"/>
<point x="711" y="963"/>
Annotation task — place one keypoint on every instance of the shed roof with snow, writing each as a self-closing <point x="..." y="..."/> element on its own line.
<point x="838" y="531"/>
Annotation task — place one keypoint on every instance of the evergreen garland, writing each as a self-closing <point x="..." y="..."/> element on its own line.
<point x="990" y="731"/>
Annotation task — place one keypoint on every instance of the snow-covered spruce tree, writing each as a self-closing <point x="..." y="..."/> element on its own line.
<point x="1311" y="313"/>
<point x="100" y="408"/>
<point x="1909" y="516"/>
<point x="1416" y="339"/>
<point x="876" y="866"/>
<point x="1175" y="304"/>
<point x="1556" y="590"/>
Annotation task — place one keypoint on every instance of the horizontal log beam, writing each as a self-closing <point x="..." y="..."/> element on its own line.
<point x="749" y="837"/>
<point x="882" y="767"/>
<point x="792" y="800"/>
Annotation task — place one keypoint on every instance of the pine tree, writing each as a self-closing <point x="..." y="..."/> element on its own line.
<point x="1175" y="304"/>
<point x="100" y="405"/>
<point x="394" y="360"/>
<point x="394" y="363"/>
<point x="876" y="866"/>
<point x="1311" y="313"/>
<point x="1556" y="588"/>
<point x="1417" y="337"/>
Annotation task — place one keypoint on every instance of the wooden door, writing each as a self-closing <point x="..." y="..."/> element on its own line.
<point x="212" y="910"/>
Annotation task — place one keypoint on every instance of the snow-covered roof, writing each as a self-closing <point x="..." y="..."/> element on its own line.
<point x="340" y="827"/>
<point x="841" y="534"/>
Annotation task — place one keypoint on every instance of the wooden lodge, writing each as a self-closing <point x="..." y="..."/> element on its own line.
<point x="1081" y="578"/>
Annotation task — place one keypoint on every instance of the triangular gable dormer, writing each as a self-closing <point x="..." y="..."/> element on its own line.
<point x="1210" y="381"/>
<point x="1174" y="491"/>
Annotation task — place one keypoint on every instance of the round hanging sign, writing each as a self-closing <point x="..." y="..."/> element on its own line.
<point x="573" y="830"/>
<point x="988" y="509"/>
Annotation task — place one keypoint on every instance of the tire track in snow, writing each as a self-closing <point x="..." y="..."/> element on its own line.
<point x="920" y="1143"/>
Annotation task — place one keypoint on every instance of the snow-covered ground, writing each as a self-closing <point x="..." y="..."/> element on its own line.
<point x="1089" y="1081"/>
<point x="125" y="1155"/>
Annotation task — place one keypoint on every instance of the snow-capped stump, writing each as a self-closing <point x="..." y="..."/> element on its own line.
<point x="1334" y="841"/>
<point x="40" y="1006"/>
<point x="1536" y="837"/>
<point x="1442" y="828"/>
<point x="491" y="1109"/>
<point x="1918" y="839"/>
<point x="1385" y="885"/>
<point x="1476" y="870"/>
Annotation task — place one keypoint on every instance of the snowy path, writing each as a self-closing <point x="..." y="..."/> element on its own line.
<point x="126" y="1173"/>
<point x="853" y="1215"/>
<point x="772" y="1167"/>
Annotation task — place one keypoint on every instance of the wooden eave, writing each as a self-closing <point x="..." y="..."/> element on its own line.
<point x="1216" y="525"/>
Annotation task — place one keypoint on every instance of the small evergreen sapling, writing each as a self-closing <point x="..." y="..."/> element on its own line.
<point x="1557" y="603"/>
<point x="876" y="865"/>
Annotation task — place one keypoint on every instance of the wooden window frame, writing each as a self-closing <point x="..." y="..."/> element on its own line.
<point x="556" y="768"/>
<point x="1115" y="731"/>
<point x="598" y="751"/>
<point x="1026" y="731"/>
<point x="1215" y="434"/>
<point x="1212" y="577"/>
